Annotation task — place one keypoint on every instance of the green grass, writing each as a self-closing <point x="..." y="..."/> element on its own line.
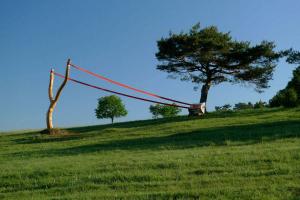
<point x="238" y="155"/>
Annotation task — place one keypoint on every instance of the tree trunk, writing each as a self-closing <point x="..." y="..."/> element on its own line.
<point x="112" y="120"/>
<point x="204" y="92"/>
<point x="53" y="101"/>
<point x="200" y="109"/>
<point x="49" y="116"/>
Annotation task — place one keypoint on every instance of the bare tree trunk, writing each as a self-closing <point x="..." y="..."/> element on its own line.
<point x="49" y="116"/>
<point x="53" y="100"/>
<point x="112" y="120"/>
<point x="204" y="92"/>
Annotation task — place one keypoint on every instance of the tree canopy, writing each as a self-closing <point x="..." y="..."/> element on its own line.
<point x="209" y="57"/>
<point x="110" y="107"/>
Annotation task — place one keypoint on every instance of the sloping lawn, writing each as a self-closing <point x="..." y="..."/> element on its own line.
<point x="235" y="155"/>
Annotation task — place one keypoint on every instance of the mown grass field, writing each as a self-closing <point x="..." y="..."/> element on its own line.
<point x="239" y="155"/>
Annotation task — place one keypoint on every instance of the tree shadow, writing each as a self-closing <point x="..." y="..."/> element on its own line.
<point x="90" y="131"/>
<point x="134" y="124"/>
<point x="151" y="122"/>
<point x="227" y="135"/>
<point x="38" y="138"/>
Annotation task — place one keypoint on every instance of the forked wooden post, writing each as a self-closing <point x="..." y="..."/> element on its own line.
<point x="53" y="100"/>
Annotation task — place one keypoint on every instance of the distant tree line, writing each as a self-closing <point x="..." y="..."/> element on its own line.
<point x="242" y="106"/>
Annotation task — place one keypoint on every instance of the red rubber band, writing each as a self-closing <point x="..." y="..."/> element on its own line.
<point x="119" y="93"/>
<point x="127" y="86"/>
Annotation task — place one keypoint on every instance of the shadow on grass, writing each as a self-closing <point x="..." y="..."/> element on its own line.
<point x="90" y="131"/>
<point x="228" y="135"/>
<point x="38" y="138"/>
<point x="151" y="122"/>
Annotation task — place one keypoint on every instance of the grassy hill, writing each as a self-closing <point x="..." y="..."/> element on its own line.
<point x="239" y="155"/>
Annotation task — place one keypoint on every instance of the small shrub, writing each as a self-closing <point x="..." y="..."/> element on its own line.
<point x="164" y="111"/>
<point x="243" y="106"/>
<point x="260" y="104"/>
<point x="225" y="107"/>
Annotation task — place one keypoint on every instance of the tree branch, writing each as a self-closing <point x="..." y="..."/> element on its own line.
<point x="50" y="89"/>
<point x="64" y="82"/>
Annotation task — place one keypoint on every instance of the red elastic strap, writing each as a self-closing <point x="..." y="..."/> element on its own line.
<point x="119" y="93"/>
<point x="126" y="86"/>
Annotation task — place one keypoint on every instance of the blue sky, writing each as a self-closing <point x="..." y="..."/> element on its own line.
<point x="117" y="38"/>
